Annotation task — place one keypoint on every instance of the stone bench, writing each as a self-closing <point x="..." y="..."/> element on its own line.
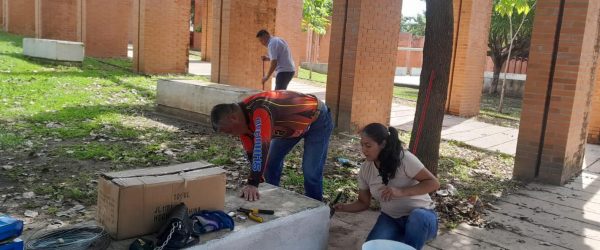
<point x="193" y="100"/>
<point x="299" y="223"/>
<point x="54" y="49"/>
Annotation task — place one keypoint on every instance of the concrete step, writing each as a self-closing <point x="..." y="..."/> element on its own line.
<point x="54" y="49"/>
<point x="568" y="229"/>
<point x="584" y="217"/>
<point x="456" y="241"/>
<point x="193" y="100"/>
<point x="574" y="193"/>
<point x="504" y="238"/>
<point x="562" y="200"/>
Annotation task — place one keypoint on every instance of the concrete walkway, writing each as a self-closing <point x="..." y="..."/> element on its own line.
<point x="536" y="217"/>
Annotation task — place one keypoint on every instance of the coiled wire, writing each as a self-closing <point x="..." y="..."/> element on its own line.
<point x="86" y="236"/>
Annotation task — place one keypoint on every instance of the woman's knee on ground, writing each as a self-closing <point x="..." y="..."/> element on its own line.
<point x="423" y="217"/>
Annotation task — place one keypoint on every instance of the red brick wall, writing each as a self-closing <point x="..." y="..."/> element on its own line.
<point x="236" y="60"/>
<point x="515" y="66"/>
<point x="594" y="124"/>
<point x="61" y="20"/>
<point x="132" y="24"/>
<point x="324" y="47"/>
<point x="568" y="114"/>
<point x="360" y="73"/>
<point x="322" y="50"/>
<point x="336" y="50"/>
<point x="2" y="14"/>
<point x="21" y="17"/>
<point x="162" y="43"/>
<point x="469" y="56"/>
<point x="207" y="30"/>
<point x="409" y="58"/>
<point x="288" y="26"/>
<point x="106" y="27"/>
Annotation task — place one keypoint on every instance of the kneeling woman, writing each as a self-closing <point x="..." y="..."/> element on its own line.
<point x="400" y="182"/>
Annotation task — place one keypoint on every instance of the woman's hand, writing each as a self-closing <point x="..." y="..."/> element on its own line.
<point x="387" y="193"/>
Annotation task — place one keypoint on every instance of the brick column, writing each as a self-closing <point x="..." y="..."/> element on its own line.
<point x="2" y="15"/>
<point x="21" y="17"/>
<point x="471" y="29"/>
<point x="288" y="25"/>
<point x="236" y="52"/>
<point x="105" y="27"/>
<point x="199" y="8"/>
<point x="61" y="20"/>
<point x="207" y="29"/>
<point x="162" y="41"/>
<point x="558" y="92"/>
<point x="362" y="61"/>
<point x="594" y="124"/>
<point x="38" y="18"/>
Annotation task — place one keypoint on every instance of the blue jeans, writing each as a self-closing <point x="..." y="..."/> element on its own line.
<point x="316" y="141"/>
<point x="414" y="230"/>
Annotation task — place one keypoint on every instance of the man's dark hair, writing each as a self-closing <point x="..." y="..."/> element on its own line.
<point x="219" y="111"/>
<point x="262" y="33"/>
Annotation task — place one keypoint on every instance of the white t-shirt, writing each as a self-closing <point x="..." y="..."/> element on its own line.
<point x="369" y="179"/>
<point x="279" y="50"/>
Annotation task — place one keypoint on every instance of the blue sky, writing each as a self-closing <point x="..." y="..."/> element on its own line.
<point x="412" y="7"/>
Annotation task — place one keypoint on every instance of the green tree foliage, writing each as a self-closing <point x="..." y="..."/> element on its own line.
<point x="413" y="25"/>
<point x="316" y="14"/>
<point x="510" y="35"/>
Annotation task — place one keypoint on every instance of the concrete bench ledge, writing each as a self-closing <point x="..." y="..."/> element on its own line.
<point x="54" y="49"/>
<point x="193" y="100"/>
<point x="299" y="223"/>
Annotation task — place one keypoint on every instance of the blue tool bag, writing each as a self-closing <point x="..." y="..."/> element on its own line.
<point x="10" y="227"/>
<point x="15" y="244"/>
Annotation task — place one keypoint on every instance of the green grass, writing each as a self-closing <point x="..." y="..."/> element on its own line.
<point x="79" y="98"/>
<point x="88" y="114"/>
<point x="218" y="152"/>
<point x="406" y="93"/>
<point x="511" y="106"/>
<point x="488" y="109"/>
<point x="316" y="77"/>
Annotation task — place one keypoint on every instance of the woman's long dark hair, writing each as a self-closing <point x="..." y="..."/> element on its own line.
<point x="390" y="157"/>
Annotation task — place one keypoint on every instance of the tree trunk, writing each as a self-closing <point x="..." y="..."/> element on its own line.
<point x="494" y="85"/>
<point x="510" y="47"/>
<point x="437" y="56"/>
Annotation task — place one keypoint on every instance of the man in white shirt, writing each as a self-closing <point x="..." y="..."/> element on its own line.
<point x="281" y="60"/>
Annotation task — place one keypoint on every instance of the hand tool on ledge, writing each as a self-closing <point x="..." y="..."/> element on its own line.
<point x="256" y="211"/>
<point x="253" y="213"/>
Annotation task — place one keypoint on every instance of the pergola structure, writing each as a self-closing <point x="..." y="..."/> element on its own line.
<point x="559" y="98"/>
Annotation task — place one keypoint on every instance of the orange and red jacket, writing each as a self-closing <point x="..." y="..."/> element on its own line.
<point x="274" y="114"/>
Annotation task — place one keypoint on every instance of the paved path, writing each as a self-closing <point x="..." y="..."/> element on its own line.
<point x="536" y="217"/>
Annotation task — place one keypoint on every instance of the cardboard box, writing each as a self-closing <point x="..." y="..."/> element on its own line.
<point x="137" y="202"/>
